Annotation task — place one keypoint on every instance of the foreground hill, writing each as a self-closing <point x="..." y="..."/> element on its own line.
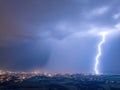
<point x="59" y="82"/>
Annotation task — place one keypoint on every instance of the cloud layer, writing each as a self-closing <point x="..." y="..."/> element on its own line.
<point x="56" y="34"/>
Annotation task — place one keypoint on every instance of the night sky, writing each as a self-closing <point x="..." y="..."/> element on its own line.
<point x="59" y="35"/>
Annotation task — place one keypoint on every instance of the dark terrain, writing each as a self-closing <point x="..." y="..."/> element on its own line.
<point x="60" y="82"/>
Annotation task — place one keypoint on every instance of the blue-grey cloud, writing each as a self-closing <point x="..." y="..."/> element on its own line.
<point x="48" y="34"/>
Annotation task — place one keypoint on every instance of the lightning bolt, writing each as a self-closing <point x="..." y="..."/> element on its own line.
<point x="103" y="35"/>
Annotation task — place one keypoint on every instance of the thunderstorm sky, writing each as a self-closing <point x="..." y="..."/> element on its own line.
<point x="59" y="35"/>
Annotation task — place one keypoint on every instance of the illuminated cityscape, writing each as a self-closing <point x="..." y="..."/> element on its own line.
<point x="15" y="79"/>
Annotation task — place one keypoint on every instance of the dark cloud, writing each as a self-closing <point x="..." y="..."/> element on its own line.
<point x="24" y="56"/>
<point x="48" y="33"/>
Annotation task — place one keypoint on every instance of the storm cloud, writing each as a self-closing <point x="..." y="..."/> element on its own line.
<point x="58" y="35"/>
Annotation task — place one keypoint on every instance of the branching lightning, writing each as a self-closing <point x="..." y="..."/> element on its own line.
<point x="103" y="35"/>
